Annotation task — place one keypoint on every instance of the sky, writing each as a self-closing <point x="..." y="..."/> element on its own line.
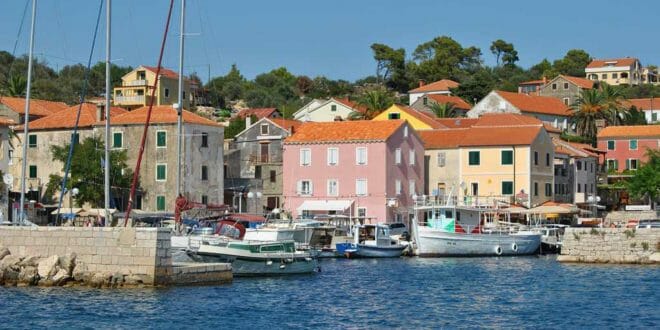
<point x="328" y="38"/>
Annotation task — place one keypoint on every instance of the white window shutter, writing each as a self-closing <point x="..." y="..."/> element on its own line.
<point x="311" y="187"/>
<point x="299" y="187"/>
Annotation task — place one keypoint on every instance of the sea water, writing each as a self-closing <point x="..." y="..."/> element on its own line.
<point x="514" y="292"/>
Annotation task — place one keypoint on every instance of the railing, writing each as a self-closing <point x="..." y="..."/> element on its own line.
<point x="141" y="82"/>
<point x="466" y="201"/>
<point x="129" y="99"/>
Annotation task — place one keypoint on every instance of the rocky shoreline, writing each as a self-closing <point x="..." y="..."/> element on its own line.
<point x="59" y="270"/>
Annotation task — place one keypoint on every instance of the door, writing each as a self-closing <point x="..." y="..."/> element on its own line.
<point x="264" y="153"/>
<point x="475" y="188"/>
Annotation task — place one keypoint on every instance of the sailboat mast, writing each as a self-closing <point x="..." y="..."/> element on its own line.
<point x="107" y="114"/>
<point x="21" y="216"/>
<point x="180" y="100"/>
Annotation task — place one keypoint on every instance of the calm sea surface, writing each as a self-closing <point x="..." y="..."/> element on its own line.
<point x="520" y="292"/>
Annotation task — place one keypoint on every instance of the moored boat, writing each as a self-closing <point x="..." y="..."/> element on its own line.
<point x="371" y="241"/>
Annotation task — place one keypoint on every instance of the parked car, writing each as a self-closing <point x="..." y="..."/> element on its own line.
<point x="649" y="223"/>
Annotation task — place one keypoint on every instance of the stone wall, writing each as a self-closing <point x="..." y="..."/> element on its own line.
<point x="622" y="217"/>
<point x="611" y="245"/>
<point x="138" y="251"/>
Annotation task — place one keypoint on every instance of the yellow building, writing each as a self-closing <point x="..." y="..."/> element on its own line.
<point x="417" y="119"/>
<point x="135" y="89"/>
<point x="618" y="71"/>
<point x="501" y="157"/>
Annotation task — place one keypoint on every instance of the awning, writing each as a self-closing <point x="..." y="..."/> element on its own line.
<point x="96" y="212"/>
<point x="68" y="210"/>
<point x="325" y="205"/>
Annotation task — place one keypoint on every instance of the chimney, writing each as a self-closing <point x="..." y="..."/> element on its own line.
<point x="100" y="111"/>
<point x="248" y="121"/>
<point x="421" y="83"/>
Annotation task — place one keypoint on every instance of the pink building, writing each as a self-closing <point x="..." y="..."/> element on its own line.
<point x="365" y="169"/>
<point x="626" y="146"/>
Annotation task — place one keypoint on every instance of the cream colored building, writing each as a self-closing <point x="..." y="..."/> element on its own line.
<point x="136" y="86"/>
<point x="327" y="110"/>
<point x="618" y="71"/>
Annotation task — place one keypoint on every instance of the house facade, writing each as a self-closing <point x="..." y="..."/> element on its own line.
<point x="443" y="86"/>
<point x="364" y="169"/>
<point x="617" y="71"/>
<point x="417" y="119"/>
<point x="136" y="86"/>
<point x="5" y="160"/>
<point x="327" y="110"/>
<point x="576" y="172"/>
<point x="547" y="109"/>
<point x="13" y="108"/>
<point x="626" y="146"/>
<point x="650" y="106"/>
<point x="566" y="88"/>
<point x="253" y="163"/>
<point x="441" y="159"/>
<point x="424" y="103"/>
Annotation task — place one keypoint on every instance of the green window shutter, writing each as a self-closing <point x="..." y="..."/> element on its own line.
<point x="117" y="140"/>
<point x="633" y="144"/>
<point x="474" y="158"/>
<point x="32" y="141"/>
<point x="160" y="203"/>
<point x="161" y="172"/>
<point x="161" y="139"/>
<point x="610" y="145"/>
<point x="507" y="157"/>
<point x="627" y="164"/>
<point x="654" y="117"/>
<point x="33" y="171"/>
<point x="507" y="188"/>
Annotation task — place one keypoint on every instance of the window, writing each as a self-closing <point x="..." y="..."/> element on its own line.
<point x="536" y="157"/>
<point x="205" y="172"/>
<point x="411" y="157"/>
<point x="610" y="145"/>
<point x="536" y="188"/>
<point x="305" y="187"/>
<point x="474" y="158"/>
<point x="33" y="172"/>
<point x="362" y="212"/>
<point x="612" y="164"/>
<point x="264" y="129"/>
<point x="397" y="187"/>
<point x="442" y="158"/>
<point x="554" y="87"/>
<point x="397" y="156"/>
<point x="305" y="157"/>
<point x="361" y="155"/>
<point x="507" y="157"/>
<point x="205" y="140"/>
<point x="10" y="155"/>
<point x="474" y="188"/>
<point x="75" y="138"/>
<point x="425" y="100"/>
<point x="631" y="164"/>
<point x="565" y="85"/>
<point x="654" y="117"/>
<point x="32" y="140"/>
<point x="161" y="139"/>
<point x="257" y="171"/>
<point x="632" y="144"/>
<point x="603" y="76"/>
<point x="361" y="187"/>
<point x="161" y="172"/>
<point x="393" y="115"/>
<point x="624" y="75"/>
<point x="205" y="199"/>
<point x="547" y="159"/>
<point x="578" y="164"/>
<point x="411" y="187"/>
<point x="615" y="75"/>
<point x="566" y="101"/>
<point x="507" y="187"/>
<point x="333" y="108"/>
<point x="273" y="176"/>
<point x="167" y="92"/>
<point x="578" y="188"/>
<point x="333" y="188"/>
<point x="183" y="95"/>
<point x="405" y="131"/>
<point x="117" y="140"/>
<point x="333" y="156"/>
<point x="548" y="189"/>
<point x="160" y="203"/>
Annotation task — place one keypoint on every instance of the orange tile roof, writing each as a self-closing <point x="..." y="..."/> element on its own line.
<point x="37" y="107"/>
<point x="630" y="131"/>
<point x="343" y="131"/>
<point x="506" y="120"/>
<point x="533" y="82"/>
<point x="580" y="82"/>
<point x="536" y="104"/>
<point x="442" y="138"/>
<point x="286" y="124"/>
<point x="163" y="71"/>
<point x="458" y="102"/>
<point x="551" y="129"/>
<point x="440" y="85"/>
<point x="67" y="117"/>
<point x="258" y="112"/>
<point x="421" y="116"/>
<point x="628" y="61"/>
<point x="644" y="104"/>
<point x="351" y="104"/>
<point x="6" y="122"/>
<point x="458" y="122"/>
<point x="500" y="136"/>
<point x="164" y="114"/>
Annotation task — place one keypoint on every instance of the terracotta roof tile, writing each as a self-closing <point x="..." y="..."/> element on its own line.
<point x="533" y="82"/>
<point x="438" y="86"/>
<point x="536" y="104"/>
<point x="286" y="124"/>
<point x="67" y="117"/>
<point x="457" y="122"/>
<point x="6" y="122"/>
<point x="442" y="138"/>
<point x="427" y="119"/>
<point x="458" y="102"/>
<point x="343" y="131"/>
<point x="163" y="71"/>
<point x="164" y="114"/>
<point x="499" y="136"/>
<point x="580" y="82"/>
<point x="630" y="131"/>
<point x="37" y="107"/>
<point x="551" y="129"/>
<point x="615" y="61"/>
<point x="506" y="120"/>
<point x="258" y="112"/>
<point x="644" y="104"/>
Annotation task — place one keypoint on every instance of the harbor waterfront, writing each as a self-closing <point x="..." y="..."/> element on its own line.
<point x="517" y="292"/>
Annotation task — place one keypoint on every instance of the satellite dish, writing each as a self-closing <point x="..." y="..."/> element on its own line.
<point x="8" y="179"/>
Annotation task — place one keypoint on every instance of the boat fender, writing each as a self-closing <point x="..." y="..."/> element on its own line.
<point x="514" y="247"/>
<point x="498" y="250"/>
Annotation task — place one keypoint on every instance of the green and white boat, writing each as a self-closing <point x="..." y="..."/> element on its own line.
<point x="255" y="258"/>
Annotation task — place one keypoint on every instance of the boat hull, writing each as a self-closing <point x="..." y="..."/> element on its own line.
<point x="435" y="243"/>
<point x="266" y="264"/>
<point x="366" y="251"/>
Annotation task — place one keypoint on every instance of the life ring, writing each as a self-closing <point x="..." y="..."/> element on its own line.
<point x="514" y="247"/>
<point x="498" y="250"/>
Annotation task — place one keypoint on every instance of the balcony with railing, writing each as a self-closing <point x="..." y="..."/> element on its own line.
<point x="133" y="99"/>
<point x="139" y="82"/>
<point x="466" y="201"/>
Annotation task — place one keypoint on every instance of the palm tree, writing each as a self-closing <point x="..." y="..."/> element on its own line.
<point x="586" y="111"/>
<point x="615" y="112"/>
<point x="443" y="110"/>
<point x="373" y="101"/>
<point x="16" y="86"/>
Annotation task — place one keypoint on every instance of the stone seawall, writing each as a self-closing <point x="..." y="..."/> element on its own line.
<point x="139" y="251"/>
<point x="611" y="245"/>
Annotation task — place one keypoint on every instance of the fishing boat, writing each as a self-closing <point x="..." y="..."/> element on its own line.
<point x="371" y="241"/>
<point x="251" y="258"/>
<point x="438" y="233"/>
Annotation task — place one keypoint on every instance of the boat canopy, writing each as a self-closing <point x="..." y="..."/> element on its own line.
<point x="325" y="205"/>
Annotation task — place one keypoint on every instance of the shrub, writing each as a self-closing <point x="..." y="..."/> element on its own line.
<point x="645" y="246"/>
<point x="576" y="236"/>
<point x="629" y="233"/>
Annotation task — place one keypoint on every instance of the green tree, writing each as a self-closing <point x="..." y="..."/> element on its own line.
<point x="391" y="66"/>
<point x="504" y="51"/>
<point x="444" y="58"/>
<point x="586" y="111"/>
<point x="635" y="117"/>
<point x="476" y="86"/>
<point x="646" y="181"/>
<point x="374" y="101"/>
<point x="16" y="86"/>
<point x="86" y="172"/>
<point x="614" y="112"/>
<point x="443" y="110"/>
<point x="573" y="63"/>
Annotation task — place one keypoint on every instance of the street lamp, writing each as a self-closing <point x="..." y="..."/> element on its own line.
<point x="73" y="193"/>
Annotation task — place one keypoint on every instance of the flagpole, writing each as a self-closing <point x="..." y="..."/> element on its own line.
<point x="107" y="114"/>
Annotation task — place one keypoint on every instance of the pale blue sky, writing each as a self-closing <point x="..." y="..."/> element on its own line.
<point x="332" y="38"/>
